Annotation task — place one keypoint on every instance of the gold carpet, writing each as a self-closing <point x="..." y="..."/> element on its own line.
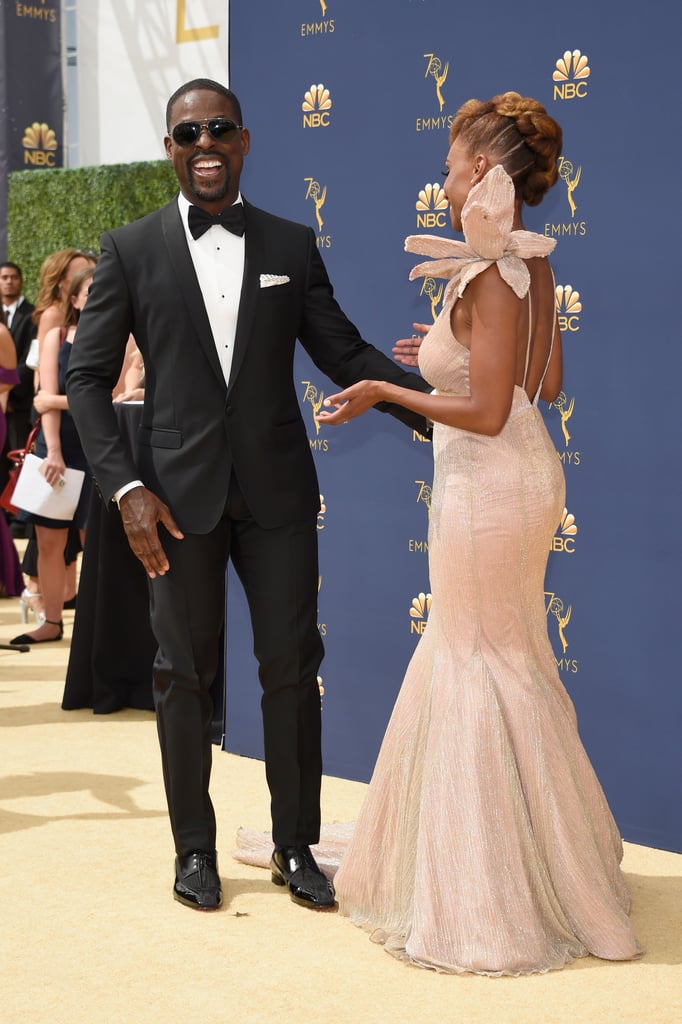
<point x="91" y="935"/>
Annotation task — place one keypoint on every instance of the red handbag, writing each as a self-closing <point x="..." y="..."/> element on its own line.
<point x="17" y="457"/>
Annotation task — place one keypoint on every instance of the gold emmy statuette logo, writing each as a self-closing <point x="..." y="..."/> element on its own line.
<point x="570" y="76"/>
<point x="40" y="143"/>
<point x="438" y="73"/>
<point x="434" y="292"/>
<point x="571" y="179"/>
<point x="318" y="196"/>
<point x="564" y="538"/>
<point x="316" y="106"/>
<point x="556" y="608"/>
<point x="419" y="612"/>
<point x="430" y="206"/>
<point x="191" y="35"/>
<point x="311" y="395"/>
<point x="568" y="306"/>
<point x="424" y="494"/>
<point x="565" y="411"/>
<point x="320" y="524"/>
<point x="324" y="6"/>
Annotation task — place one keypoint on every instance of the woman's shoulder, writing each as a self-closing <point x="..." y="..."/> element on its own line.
<point x="50" y="318"/>
<point x="8" y="353"/>
<point x="53" y="335"/>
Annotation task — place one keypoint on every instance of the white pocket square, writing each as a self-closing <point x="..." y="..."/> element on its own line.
<point x="268" y="280"/>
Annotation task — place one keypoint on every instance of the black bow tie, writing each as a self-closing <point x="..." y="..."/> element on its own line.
<point x="232" y="219"/>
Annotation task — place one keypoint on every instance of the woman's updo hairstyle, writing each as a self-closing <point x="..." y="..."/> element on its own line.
<point x="516" y="132"/>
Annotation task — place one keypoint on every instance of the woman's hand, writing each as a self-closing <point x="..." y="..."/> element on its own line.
<point x="134" y="395"/>
<point x="45" y="400"/>
<point x="352" y="402"/>
<point x="406" y="350"/>
<point x="53" y="467"/>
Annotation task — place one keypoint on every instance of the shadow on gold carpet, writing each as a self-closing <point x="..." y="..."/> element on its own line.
<point x="91" y="935"/>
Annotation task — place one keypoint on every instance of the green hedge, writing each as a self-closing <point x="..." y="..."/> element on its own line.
<point x="53" y="209"/>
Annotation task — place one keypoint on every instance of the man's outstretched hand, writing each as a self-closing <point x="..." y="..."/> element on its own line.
<point x="406" y="350"/>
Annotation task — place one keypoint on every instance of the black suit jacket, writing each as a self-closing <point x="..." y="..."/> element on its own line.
<point x="194" y="427"/>
<point x="23" y="330"/>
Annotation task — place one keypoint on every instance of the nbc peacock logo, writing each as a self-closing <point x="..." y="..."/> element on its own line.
<point x="564" y="538"/>
<point x="40" y="145"/>
<point x="568" y="307"/>
<point x="419" y="613"/>
<point x="316" y="105"/>
<point x="431" y="207"/>
<point x="570" y="76"/>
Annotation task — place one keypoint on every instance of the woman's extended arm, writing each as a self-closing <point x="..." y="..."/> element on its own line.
<point x="53" y="466"/>
<point x="493" y="310"/>
<point x="44" y="401"/>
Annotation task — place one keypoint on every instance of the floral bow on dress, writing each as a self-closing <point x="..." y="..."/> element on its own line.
<point x="487" y="217"/>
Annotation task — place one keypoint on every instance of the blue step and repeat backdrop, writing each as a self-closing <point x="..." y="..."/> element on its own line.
<point x="349" y="106"/>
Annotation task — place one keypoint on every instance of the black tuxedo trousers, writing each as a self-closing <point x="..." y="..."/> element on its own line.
<point x="278" y="569"/>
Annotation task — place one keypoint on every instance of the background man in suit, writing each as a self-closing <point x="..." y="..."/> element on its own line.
<point x="224" y="468"/>
<point x="18" y="318"/>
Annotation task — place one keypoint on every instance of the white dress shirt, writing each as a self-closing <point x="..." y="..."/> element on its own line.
<point x="218" y="258"/>
<point x="10" y="310"/>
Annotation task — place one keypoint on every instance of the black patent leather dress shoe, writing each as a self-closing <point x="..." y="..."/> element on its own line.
<point x="295" y="867"/>
<point x="197" y="884"/>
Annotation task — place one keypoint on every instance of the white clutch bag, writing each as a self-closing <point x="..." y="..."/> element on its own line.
<point x="32" y="492"/>
<point x="32" y="356"/>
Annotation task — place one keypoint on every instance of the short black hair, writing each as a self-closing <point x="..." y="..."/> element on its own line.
<point x="12" y="266"/>
<point x="207" y="85"/>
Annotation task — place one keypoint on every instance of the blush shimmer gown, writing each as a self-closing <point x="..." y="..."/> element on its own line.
<point x="485" y="842"/>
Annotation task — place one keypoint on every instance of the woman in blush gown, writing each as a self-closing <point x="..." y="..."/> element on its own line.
<point x="485" y="842"/>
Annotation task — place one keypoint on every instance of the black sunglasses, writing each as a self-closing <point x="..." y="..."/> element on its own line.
<point x="219" y="128"/>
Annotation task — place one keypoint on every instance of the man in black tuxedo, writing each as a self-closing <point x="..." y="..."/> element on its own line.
<point x="224" y="467"/>
<point x="18" y="315"/>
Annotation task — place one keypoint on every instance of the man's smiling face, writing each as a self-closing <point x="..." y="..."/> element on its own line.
<point x="208" y="170"/>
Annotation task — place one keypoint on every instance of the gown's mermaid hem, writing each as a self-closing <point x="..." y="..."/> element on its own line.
<point x="254" y="848"/>
<point x="485" y="843"/>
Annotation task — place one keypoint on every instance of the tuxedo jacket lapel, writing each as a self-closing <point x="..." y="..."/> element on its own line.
<point x="178" y="253"/>
<point x="254" y="252"/>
